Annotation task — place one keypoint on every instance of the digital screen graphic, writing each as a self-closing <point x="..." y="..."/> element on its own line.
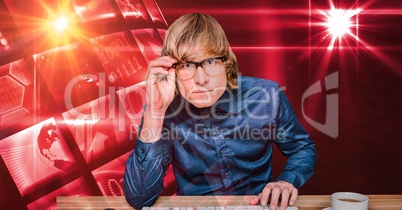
<point x="91" y="10"/>
<point x="69" y="98"/>
<point x="17" y="100"/>
<point x="98" y="127"/>
<point x="70" y="73"/>
<point x="121" y="58"/>
<point x="42" y="151"/>
<point x="72" y="90"/>
<point x="109" y="177"/>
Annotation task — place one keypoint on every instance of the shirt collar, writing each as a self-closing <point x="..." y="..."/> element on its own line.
<point x="228" y="102"/>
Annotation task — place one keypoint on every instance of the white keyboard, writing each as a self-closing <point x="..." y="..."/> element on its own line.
<point x="256" y="207"/>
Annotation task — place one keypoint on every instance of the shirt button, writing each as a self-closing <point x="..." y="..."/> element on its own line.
<point x="142" y="150"/>
<point x="226" y="173"/>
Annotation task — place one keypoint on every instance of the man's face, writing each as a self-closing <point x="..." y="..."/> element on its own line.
<point x="203" y="90"/>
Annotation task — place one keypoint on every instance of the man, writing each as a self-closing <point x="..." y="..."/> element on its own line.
<point x="216" y="129"/>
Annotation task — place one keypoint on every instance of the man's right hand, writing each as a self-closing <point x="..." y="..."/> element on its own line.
<point x="160" y="84"/>
<point x="160" y="88"/>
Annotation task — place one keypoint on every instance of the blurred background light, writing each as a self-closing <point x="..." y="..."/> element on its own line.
<point x="341" y="24"/>
<point x="61" y="23"/>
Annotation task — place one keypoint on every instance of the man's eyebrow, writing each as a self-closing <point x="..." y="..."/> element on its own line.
<point x="191" y="62"/>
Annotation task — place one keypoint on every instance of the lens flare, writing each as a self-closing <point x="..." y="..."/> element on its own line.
<point x="340" y="24"/>
<point x="61" y="23"/>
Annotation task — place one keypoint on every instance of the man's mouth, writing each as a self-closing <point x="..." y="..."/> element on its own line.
<point x="201" y="91"/>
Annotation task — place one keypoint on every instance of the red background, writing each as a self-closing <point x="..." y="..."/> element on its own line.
<point x="272" y="39"/>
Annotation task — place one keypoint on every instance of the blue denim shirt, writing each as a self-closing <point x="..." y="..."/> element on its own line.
<point x="225" y="149"/>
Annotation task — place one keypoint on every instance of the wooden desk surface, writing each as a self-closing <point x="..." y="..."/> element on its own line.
<point x="304" y="202"/>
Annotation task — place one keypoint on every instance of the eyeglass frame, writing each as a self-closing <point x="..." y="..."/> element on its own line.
<point x="197" y="64"/>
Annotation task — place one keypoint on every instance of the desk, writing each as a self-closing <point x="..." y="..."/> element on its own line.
<point x="304" y="202"/>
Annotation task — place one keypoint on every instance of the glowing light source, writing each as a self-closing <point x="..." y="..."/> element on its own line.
<point x="338" y="23"/>
<point x="61" y="28"/>
<point x="61" y="23"/>
<point x="341" y="24"/>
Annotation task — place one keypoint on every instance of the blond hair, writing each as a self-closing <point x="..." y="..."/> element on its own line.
<point x="194" y="35"/>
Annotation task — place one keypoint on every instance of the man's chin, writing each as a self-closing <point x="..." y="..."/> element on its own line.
<point x="201" y="100"/>
<point x="201" y="103"/>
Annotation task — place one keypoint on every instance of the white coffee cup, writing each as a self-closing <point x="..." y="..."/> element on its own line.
<point x="349" y="201"/>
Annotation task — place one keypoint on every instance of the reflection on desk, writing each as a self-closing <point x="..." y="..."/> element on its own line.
<point x="304" y="202"/>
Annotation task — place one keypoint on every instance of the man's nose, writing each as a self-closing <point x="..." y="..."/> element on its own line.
<point x="200" y="76"/>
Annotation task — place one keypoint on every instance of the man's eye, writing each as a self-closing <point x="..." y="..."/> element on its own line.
<point x="187" y="65"/>
<point x="210" y="61"/>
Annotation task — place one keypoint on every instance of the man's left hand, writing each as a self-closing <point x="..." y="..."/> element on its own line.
<point x="281" y="189"/>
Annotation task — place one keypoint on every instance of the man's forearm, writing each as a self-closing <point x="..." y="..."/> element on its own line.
<point x="151" y="129"/>
<point x="143" y="177"/>
<point x="299" y="166"/>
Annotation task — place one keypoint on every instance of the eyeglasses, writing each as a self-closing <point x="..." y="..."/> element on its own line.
<point x="188" y="69"/>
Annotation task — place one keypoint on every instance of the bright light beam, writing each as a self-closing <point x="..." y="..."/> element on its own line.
<point x="339" y="24"/>
<point x="61" y="23"/>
